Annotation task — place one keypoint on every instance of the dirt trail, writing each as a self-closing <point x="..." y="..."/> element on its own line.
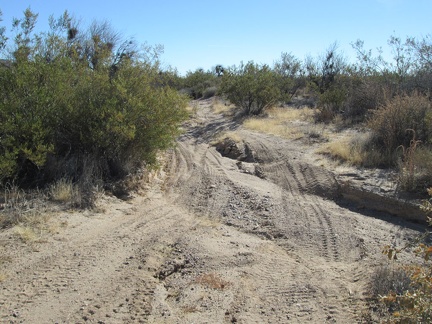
<point x="213" y="240"/>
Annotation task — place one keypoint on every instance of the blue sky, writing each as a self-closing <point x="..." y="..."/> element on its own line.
<point x="201" y="33"/>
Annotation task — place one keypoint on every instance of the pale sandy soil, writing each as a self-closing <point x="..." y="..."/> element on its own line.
<point x="210" y="240"/>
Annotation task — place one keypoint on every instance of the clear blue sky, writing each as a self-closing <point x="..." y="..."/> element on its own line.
<point x="203" y="33"/>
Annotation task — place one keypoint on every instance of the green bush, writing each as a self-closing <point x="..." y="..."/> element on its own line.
<point x="197" y="82"/>
<point x="331" y="103"/>
<point x="289" y="76"/>
<point x="209" y="92"/>
<point x="71" y="112"/>
<point x="252" y="87"/>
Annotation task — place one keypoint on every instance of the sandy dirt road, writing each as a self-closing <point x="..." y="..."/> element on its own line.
<point x="212" y="240"/>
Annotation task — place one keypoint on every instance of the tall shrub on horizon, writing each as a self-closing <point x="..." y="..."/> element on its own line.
<point x="252" y="87"/>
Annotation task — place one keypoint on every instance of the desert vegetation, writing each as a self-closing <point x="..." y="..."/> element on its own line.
<point x="84" y="109"/>
<point x="389" y="101"/>
<point x="406" y="289"/>
<point x="80" y="106"/>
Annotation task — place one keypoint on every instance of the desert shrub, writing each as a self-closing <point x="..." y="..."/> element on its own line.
<point x="83" y="110"/>
<point x="394" y="123"/>
<point x="330" y="104"/>
<point x="209" y="92"/>
<point x="415" y="167"/>
<point x="413" y="304"/>
<point x="197" y="82"/>
<point x="412" y="301"/>
<point x="364" y="95"/>
<point x="389" y="278"/>
<point x="327" y="76"/>
<point x="251" y="86"/>
<point x="289" y="75"/>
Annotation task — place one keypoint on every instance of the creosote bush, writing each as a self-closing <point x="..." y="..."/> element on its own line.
<point x="199" y="84"/>
<point x="252" y="87"/>
<point x="81" y="105"/>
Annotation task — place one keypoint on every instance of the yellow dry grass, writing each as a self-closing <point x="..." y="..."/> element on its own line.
<point x="353" y="149"/>
<point x="281" y="122"/>
<point x="33" y="227"/>
<point x="63" y="191"/>
<point x="26" y="233"/>
<point x="235" y="136"/>
<point x="291" y="114"/>
<point x="344" y="151"/>
<point x="220" y="107"/>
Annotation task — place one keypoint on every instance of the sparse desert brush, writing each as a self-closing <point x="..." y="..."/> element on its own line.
<point x="415" y="167"/>
<point x="394" y="123"/>
<point x="389" y="278"/>
<point x="251" y="87"/>
<point x="25" y="211"/>
<point x="411" y="302"/>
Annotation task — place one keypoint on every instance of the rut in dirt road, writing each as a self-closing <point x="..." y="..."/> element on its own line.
<point x="289" y="202"/>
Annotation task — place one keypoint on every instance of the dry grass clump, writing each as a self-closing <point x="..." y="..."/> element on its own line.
<point x="415" y="167"/>
<point x="16" y="204"/>
<point x="26" y="234"/>
<point x="354" y="150"/>
<point x="385" y="280"/>
<point x="388" y="279"/>
<point x="212" y="280"/>
<point x="284" y="122"/>
<point x="33" y="227"/>
<point x="26" y="212"/>
<point x="63" y="191"/>
<point x="221" y="107"/>
<point x="233" y="135"/>
<point x="343" y="150"/>
<point x="292" y="114"/>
